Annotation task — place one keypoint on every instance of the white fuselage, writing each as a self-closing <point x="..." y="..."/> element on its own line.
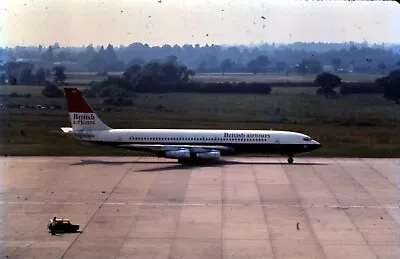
<point x="195" y="136"/>
<point x="236" y="141"/>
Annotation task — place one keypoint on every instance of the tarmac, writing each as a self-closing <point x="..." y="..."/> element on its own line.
<point x="144" y="207"/>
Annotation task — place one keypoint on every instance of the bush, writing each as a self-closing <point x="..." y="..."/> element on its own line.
<point x="123" y="86"/>
<point x="90" y="93"/>
<point x="113" y="91"/>
<point x="93" y="83"/>
<point x="52" y="91"/>
<point x="328" y="80"/>
<point x="118" y="101"/>
<point x="359" y="88"/>
<point x="116" y="81"/>
<point x="194" y="87"/>
<point x="390" y="85"/>
<point x="106" y="92"/>
<point x="102" y="73"/>
<point x="328" y="92"/>
<point x="14" y="94"/>
<point x="12" y="80"/>
<point x="321" y="91"/>
<point x="3" y="79"/>
<point x="159" y="107"/>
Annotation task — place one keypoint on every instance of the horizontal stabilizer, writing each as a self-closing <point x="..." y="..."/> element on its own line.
<point x="67" y="130"/>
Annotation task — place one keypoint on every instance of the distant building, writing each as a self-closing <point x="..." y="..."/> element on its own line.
<point x="35" y="62"/>
<point x="328" y="68"/>
<point x="70" y="66"/>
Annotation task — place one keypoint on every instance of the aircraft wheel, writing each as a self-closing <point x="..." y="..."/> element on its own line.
<point x="182" y="161"/>
<point x="290" y="160"/>
<point x="185" y="160"/>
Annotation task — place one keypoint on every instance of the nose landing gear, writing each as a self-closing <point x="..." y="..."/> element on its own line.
<point x="290" y="160"/>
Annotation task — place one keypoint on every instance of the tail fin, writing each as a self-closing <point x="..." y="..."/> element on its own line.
<point x="81" y="115"/>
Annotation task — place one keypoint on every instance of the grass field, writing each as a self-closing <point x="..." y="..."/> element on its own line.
<point x="82" y="78"/>
<point x="351" y="126"/>
<point x="279" y="78"/>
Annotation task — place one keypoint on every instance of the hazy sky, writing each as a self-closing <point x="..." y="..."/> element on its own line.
<point x="80" y="22"/>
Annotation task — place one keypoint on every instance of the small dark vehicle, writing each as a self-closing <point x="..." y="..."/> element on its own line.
<point x="57" y="225"/>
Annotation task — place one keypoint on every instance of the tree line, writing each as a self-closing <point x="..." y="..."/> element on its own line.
<point x="25" y="73"/>
<point x="162" y="76"/>
<point x="388" y="85"/>
<point x="169" y="76"/>
<point x="291" y="58"/>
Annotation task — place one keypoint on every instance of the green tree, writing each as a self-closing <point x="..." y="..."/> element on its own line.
<point x="136" y="61"/>
<point x="59" y="74"/>
<point x="257" y="65"/>
<point x="20" y="72"/>
<point x="26" y="76"/>
<point x="202" y="66"/>
<point x="226" y="65"/>
<point x="309" y="66"/>
<point x="52" y="91"/>
<point x="132" y="73"/>
<point x="390" y="85"/>
<point x="381" y="67"/>
<point x="48" y="55"/>
<point x="170" y="73"/>
<point x="253" y="67"/>
<point x="3" y="79"/>
<point x="281" y="66"/>
<point x="40" y="75"/>
<point x="172" y="59"/>
<point x="262" y="61"/>
<point x="327" y="82"/>
<point x="336" y="63"/>
<point x="189" y="74"/>
<point x="61" y="56"/>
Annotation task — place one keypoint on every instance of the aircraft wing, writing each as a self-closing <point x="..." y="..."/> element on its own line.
<point x="166" y="147"/>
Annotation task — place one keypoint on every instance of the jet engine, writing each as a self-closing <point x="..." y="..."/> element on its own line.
<point x="183" y="153"/>
<point x="209" y="155"/>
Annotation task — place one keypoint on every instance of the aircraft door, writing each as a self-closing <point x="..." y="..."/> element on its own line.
<point x="277" y="143"/>
<point x="278" y="139"/>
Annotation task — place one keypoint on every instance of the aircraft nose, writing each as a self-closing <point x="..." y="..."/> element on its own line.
<point x="316" y="144"/>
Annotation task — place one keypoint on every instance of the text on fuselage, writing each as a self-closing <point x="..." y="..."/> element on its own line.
<point x="83" y="119"/>
<point x="242" y="135"/>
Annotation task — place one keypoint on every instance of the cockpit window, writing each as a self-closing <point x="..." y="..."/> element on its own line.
<point x="307" y="139"/>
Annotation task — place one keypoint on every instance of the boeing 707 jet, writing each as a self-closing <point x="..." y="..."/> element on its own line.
<point x="182" y="144"/>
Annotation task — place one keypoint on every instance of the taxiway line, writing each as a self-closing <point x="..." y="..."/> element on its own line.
<point x="204" y="204"/>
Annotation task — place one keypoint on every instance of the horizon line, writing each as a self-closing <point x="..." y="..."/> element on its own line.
<point x="205" y="44"/>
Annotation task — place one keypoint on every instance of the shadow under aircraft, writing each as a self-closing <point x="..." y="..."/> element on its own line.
<point x="172" y="165"/>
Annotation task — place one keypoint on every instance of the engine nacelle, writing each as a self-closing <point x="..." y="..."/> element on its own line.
<point x="209" y="155"/>
<point x="183" y="153"/>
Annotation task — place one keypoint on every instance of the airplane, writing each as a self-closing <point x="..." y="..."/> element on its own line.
<point x="185" y="145"/>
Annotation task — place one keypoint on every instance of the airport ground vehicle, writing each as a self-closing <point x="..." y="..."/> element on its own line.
<point x="61" y="225"/>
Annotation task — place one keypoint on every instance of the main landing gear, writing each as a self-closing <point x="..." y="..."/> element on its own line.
<point x="186" y="161"/>
<point x="290" y="160"/>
